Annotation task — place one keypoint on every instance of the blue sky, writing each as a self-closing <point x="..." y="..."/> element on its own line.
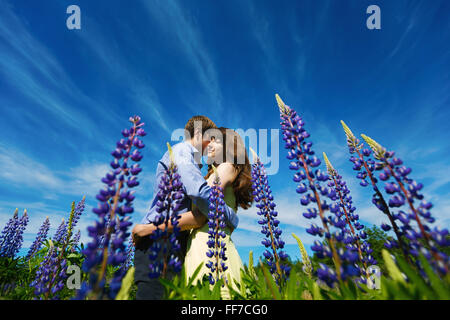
<point x="65" y="95"/>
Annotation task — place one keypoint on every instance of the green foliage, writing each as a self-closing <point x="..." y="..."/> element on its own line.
<point x="127" y="283"/>
<point x="305" y="258"/>
<point x="416" y="287"/>
<point x="399" y="280"/>
<point x="258" y="284"/>
<point x="376" y="237"/>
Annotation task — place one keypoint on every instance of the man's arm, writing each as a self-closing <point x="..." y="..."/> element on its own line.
<point x="197" y="187"/>
<point x="187" y="221"/>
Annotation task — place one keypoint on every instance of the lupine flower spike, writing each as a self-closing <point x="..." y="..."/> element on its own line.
<point x="165" y="248"/>
<point x="57" y="261"/>
<point x="18" y="239"/>
<point x="12" y="235"/>
<point x="74" y="217"/>
<point x="275" y="256"/>
<point x="216" y="232"/>
<point x="40" y="238"/>
<point x="130" y="254"/>
<point x="405" y="191"/>
<point x="115" y="202"/>
<point x="307" y="266"/>
<point x="60" y="232"/>
<point x="344" y="205"/>
<point x="7" y="236"/>
<point x="309" y="179"/>
<point x="46" y="272"/>
<point x="366" y="168"/>
<point x="75" y="240"/>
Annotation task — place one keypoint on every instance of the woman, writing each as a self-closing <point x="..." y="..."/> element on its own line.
<point x="227" y="153"/>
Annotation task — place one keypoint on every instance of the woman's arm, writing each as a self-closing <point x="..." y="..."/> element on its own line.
<point x="188" y="220"/>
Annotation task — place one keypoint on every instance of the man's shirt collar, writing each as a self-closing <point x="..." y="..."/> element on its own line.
<point x="195" y="153"/>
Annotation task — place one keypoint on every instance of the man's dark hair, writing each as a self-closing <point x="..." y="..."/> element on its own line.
<point x="206" y="124"/>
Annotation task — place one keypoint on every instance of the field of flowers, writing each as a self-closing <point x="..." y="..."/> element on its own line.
<point x="414" y="264"/>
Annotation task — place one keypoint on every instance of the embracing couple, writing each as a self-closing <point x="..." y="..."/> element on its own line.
<point x="225" y="150"/>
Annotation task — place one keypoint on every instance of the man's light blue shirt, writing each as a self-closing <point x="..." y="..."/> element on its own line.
<point x="196" y="188"/>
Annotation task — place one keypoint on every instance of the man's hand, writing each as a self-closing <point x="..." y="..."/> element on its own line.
<point x="141" y="230"/>
<point x="199" y="217"/>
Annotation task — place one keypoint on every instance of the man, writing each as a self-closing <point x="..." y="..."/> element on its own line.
<point x="187" y="156"/>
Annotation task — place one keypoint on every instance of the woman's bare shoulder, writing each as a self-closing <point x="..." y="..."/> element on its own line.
<point x="227" y="171"/>
<point x="226" y="168"/>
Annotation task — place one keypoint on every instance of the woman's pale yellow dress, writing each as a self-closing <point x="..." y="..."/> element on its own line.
<point x="197" y="248"/>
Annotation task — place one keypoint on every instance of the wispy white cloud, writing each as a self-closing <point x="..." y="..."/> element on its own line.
<point x="36" y="73"/>
<point x="21" y="170"/>
<point x="33" y="71"/>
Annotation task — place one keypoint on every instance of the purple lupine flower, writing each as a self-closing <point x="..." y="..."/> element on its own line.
<point x="40" y="238"/>
<point x="102" y="237"/>
<point x="406" y="192"/>
<point x="12" y="235"/>
<point x="353" y="240"/>
<point x="18" y="238"/>
<point x="56" y="261"/>
<point x="117" y="245"/>
<point x="51" y="275"/>
<point x="365" y="166"/>
<point x="165" y="247"/>
<point x="130" y="255"/>
<point x="44" y="272"/>
<point x="75" y="216"/>
<point x="75" y="240"/>
<point x="275" y="256"/>
<point x="216" y="232"/>
<point x="7" y="236"/>
<point x="115" y="203"/>
<point x="327" y="275"/>
<point x="310" y="180"/>
<point x="60" y="232"/>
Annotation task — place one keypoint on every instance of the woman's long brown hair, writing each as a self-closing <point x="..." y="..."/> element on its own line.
<point x="235" y="149"/>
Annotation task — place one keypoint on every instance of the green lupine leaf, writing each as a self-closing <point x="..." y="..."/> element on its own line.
<point x="292" y="289"/>
<point x="394" y="272"/>
<point x="271" y="283"/>
<point x="250" y="263"/>
<point x="415" y="279"/>
<point x="242" y="286"/>
<point x="436" y="283"/>
<point x="316" y="291"/>
<point x="195" y="274"/>
<point x="127" y="282"/>
<point x="176" y="289"/>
